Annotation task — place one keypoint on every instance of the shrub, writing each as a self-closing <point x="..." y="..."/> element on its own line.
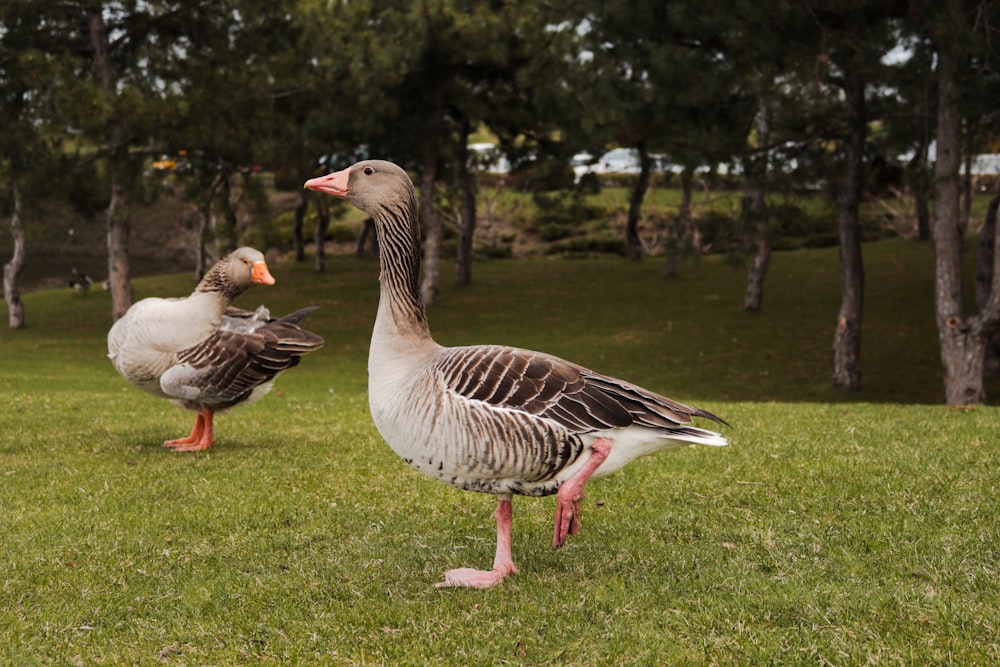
<point x="792" y="227"/>
<point x="494" y="251"/>
<point x="586" y="246"/>
<point x="719" y="231"/>
<point x="273" y="233"/>
<point x="342" y="232"/>
<point x="562" y="214"/>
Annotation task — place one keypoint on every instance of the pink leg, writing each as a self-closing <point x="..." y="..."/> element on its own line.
<point x="571" y="493"/>
<point x="201" y="435"/>
<point x="503" y="562"/>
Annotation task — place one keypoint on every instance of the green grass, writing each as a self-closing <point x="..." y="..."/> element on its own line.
<point x="835" y="530"/>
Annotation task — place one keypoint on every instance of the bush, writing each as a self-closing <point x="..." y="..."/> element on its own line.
<point x="719" y="231"/>
<point x="341" y="232"/>
<point x="792" y="227"/>
<point x="542" y="175"/>
<point x="562" y="214"/>
<point x="586" y="246"/>
<point x="273" y="233"/>
<point x="589" y="184"/>
<point x="494" y="251"/>
<point x="553" y="231"/>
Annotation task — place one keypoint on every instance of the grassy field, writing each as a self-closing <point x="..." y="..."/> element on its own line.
<point x="837" y="529"/>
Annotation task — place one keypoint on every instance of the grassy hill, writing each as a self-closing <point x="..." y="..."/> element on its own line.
<point x="835" y="529"/>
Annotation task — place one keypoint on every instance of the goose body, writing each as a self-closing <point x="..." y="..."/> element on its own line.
<point x="81" y="282"/>
<point x="204" y="355"/>
<point x="490" y="418"/>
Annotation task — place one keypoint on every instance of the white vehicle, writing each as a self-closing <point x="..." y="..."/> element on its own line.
<point x="582" y="163"/>
<point x="620" y="161"/>
<point x="488" y="157"/>
<point x="615" y="161"/>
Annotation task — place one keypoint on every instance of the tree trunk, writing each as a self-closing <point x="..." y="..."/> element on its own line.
<point x="203" y="258"/>
<point x="984" y="253"/>
<point x="319" y="235"/>
<point x="918" y="182"/>
<point x="847" y="338"/>
<point x="430" y="286"/>
<point x="467" y="190"/>
<point x="297" y="222"/>
<point x="119" y="228"/>
<point x="984" y="282"/>
<point x="433" y="233"/>
<point x="11" y="270"/>
<point x="966" y="207"/>
<point x="755" y="212"/>
<point x="676" y="234"/>
<point x="366" y="237"/>
<point x="118" y="222"/>
<point x="226" y="234"/>
<point x="633" y="244"/>
<point x="963" y="340"/>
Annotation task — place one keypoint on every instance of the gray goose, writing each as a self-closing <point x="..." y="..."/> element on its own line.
<point x="205" y="355"/>
<point x="489" y="418"/>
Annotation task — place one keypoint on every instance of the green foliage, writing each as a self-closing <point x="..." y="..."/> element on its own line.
<point x="560" y="214"/>
<point x="342" y="232"/>
<point x="796" y="226"/>
<point x="499" y="250"/>
<point x="588" y="246"/>
<point x="543" y="175"/>
<point x="829" y="531"/>
<point x="719" y="231"/>
<point x="275" y="233"/>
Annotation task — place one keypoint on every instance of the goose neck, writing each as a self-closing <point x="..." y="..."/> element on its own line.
<point x="218" y="282"/>
<point x="401" y="310"/>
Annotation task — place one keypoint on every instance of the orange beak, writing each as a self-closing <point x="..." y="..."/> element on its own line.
<point x="261" y="275"/>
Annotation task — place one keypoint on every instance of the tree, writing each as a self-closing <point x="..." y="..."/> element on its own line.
<point x="985" y="254"/>
<point x="855" y="35"/>
<point x="18" y="134"/>
<point x="909" y="126"/>
<point x="755" y="211"/>
<point x="228" y="110"/>
<point x="11" y="270"/>
<point x="847" y="339"/>
<point x="467" y="189"/>
<point x="336" y="104"/>
<point x="30" y="95"/>
<point x="963" y="338"/>
<point x="120" y="165"/>
<point x="137" y="53"/>
<point x="450" y="67"/>
<point x="665" y="79"/>
<point x="779" y="39"/>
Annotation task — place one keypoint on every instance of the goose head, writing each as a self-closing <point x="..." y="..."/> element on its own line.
<point x="374" y="186"/>
<point x="236" y="272"/>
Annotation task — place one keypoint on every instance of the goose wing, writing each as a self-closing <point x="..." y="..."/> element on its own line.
<point x="578" y="399"/>
<point x="226" y="367"/>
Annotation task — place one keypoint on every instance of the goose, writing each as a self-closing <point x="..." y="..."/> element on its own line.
<point x="489" y="418"/>
<point x="80" y="282"/>
<point x="203" y="354"/>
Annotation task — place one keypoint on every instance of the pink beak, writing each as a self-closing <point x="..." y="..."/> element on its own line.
<point x="332" y="184"/>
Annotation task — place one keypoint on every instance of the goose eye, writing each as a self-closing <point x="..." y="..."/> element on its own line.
<point x="368" y="171"/>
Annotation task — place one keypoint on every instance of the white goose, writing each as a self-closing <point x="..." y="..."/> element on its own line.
<point x="487" y="418"/>
<point x="204" y="355"/>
